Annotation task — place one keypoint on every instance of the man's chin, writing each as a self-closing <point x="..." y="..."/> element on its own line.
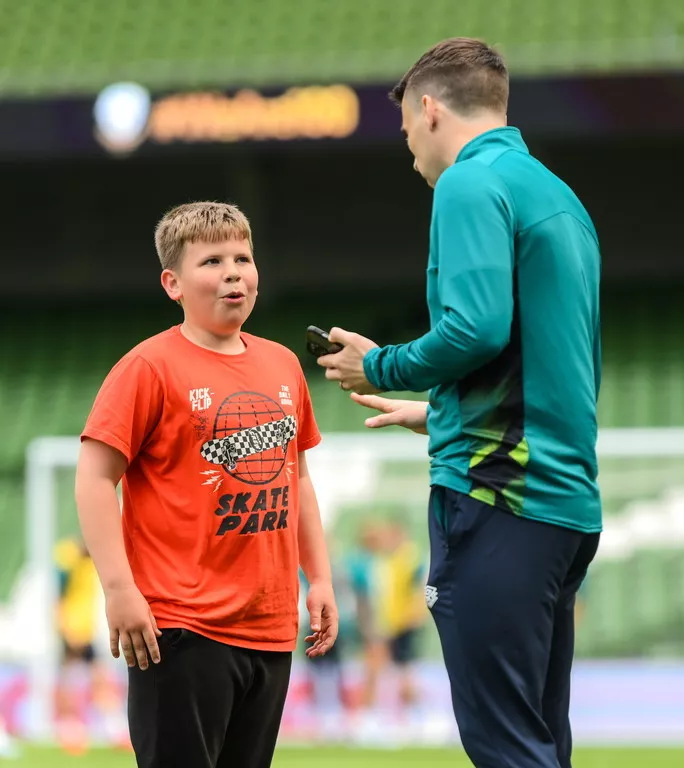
<point x="429" y="180"/>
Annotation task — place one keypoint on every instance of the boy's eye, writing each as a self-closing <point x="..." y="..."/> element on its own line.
<point x="243" y="259"/>
<point x="212" y="260"/>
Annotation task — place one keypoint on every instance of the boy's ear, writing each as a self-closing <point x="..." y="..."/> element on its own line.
<point x="170" y="284"/>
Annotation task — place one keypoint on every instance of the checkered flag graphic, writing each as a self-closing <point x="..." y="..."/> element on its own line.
<point x="246" y="442"/>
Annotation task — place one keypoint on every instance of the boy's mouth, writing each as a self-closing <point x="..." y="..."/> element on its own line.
<point x="233" y="296"/>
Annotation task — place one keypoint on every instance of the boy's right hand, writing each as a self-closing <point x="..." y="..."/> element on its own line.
<point x="411" y="414"/>
<point x="132" y="625"/>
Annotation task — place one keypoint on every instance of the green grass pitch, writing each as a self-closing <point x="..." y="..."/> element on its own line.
<point x="338" y="757"/>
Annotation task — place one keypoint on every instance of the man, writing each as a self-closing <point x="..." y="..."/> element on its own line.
<point x="512" y="362"/>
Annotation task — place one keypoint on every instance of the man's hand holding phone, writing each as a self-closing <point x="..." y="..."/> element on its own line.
<point x="346" y="364"/>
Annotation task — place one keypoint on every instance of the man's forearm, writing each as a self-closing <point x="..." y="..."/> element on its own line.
<point x="100" y="519"/>
<point x="447" y="353"/>
<point x="313" y="552"/>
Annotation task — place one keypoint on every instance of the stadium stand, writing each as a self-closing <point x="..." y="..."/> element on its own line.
<point x="80" y="46"/>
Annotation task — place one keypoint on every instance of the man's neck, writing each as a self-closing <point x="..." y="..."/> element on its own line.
<point x="469" y="129"/>
<point x="225" y="344"/>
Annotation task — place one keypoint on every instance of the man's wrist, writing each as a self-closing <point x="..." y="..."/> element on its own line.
<point x="371" y="368"/>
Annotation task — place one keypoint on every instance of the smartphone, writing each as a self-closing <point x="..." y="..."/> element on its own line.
<point x="318" y="343"/>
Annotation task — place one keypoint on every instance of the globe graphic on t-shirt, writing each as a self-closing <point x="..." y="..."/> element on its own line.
<point x="242" y="411"/>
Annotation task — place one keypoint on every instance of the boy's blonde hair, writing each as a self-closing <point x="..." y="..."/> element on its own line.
<point x="192" y="222"/>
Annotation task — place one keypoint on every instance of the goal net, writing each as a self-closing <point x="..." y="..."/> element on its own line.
<point x="634" y="600"/>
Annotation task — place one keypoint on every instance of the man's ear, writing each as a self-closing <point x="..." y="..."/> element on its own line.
<point x="429" y="109"/>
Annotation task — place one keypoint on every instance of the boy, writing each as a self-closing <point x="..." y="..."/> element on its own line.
<point x="207" y="427"/>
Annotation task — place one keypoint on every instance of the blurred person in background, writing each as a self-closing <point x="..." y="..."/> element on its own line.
<point x="84" y="686"/>
<point x="9" y="748"/>
<point x="513" y="366"/>
<point x="362" y="567"/>
<point x="327" y="681"/>
<point x="85" y="689"/>
<point x="400" y="602"/>
<point x="581" y="603"/>
<point x="389" y="582"/>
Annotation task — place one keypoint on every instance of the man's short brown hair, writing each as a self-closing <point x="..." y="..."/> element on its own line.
<point x="192" y="222"/>
<point x="466" y="74"/>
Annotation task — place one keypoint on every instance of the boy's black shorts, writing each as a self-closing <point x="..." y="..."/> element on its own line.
<point x="207" y="704"/>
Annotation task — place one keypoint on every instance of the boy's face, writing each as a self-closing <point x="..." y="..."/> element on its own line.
<point x="217" y="284"/>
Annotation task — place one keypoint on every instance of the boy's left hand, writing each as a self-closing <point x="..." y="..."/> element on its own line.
<point x="322" y="608"/>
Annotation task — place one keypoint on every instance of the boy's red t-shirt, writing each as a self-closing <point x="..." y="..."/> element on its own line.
<point x="210" y="496"/>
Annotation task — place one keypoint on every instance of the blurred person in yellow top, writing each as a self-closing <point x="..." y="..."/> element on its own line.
<point x="77" y="624"/>
<point x="77" y="607"/>
<point x="401" y="602"/>
<point x="388" y="574"/>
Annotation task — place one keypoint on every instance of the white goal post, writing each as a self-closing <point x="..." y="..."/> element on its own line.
<point x="345" y="467"/>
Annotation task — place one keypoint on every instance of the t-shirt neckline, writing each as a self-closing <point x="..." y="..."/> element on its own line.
<point x="223" y="356"/>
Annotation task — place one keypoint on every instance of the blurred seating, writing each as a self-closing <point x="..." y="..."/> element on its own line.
<point x="78" y="46"/>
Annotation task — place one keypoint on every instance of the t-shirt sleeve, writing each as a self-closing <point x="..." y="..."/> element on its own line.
<point x="127" y="407"/>
<point x="308" y="435"/>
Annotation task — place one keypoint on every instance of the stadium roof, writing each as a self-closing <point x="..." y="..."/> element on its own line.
<point x="78" y="46"/>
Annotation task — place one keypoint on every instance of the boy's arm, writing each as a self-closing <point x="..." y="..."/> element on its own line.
<point x="314" y="560"/>
<point x="99" y="470"/>
<point x="131" y="623"/>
